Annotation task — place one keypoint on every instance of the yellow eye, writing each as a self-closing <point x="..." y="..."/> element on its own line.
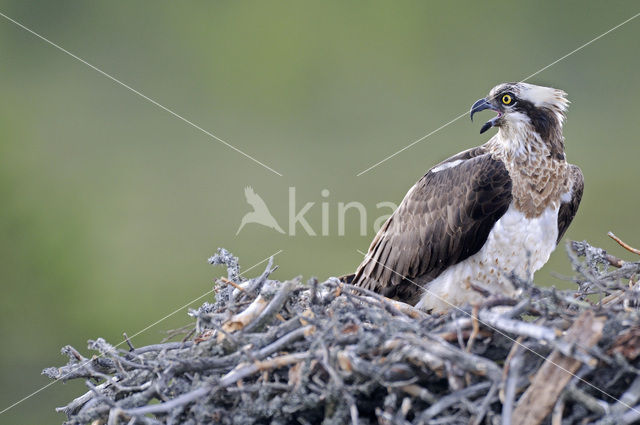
<point x="506" y="99"/>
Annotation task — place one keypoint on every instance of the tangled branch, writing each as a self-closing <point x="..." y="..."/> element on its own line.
<point x="305" y="353"/>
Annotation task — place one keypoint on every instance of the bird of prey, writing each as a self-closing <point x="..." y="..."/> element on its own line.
<point x="479" y="217"/>
<point x="260" y="213"/>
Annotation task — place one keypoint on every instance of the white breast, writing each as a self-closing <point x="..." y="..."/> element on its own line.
<point x="515" y="244"/>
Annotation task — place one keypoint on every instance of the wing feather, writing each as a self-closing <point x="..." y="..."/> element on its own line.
<point x="444" y="218"/>
<point x="569" y="209"/>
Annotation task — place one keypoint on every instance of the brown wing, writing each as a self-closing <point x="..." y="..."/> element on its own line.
<point x="569" y="209"/>
<point x="444" y="218"/>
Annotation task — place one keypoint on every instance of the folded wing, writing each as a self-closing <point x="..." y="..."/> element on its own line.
<point x="444" y="218"/>
<point x="569" y="209"/>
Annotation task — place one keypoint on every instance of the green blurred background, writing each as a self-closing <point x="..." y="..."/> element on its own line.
<point x="110" y="206"/>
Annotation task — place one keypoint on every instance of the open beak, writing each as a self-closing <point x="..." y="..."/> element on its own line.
<point x="481" y="105"/>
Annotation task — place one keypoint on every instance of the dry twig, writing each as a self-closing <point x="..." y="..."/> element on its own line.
<point x="623" y="244"/>
<point x="327" y="352"/>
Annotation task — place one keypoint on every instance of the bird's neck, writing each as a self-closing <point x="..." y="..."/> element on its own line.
<point x="521" y="142"/>
<point x="538" y="170"/>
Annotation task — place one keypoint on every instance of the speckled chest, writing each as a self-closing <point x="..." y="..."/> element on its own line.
<point x="538" y="179"/>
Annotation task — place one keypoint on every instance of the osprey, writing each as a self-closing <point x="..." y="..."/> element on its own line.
<point x="484" y="214"/>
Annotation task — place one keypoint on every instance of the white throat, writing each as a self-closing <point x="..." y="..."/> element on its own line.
<point x="517" y="141"/>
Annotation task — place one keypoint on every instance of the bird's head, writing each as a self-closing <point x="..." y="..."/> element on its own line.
<point x="523" y="106"/>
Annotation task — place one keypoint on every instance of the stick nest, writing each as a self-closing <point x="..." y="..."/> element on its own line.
<point x="270" y="352"/>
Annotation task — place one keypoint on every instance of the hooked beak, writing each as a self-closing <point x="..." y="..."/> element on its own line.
<point x="481" y="105"/>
